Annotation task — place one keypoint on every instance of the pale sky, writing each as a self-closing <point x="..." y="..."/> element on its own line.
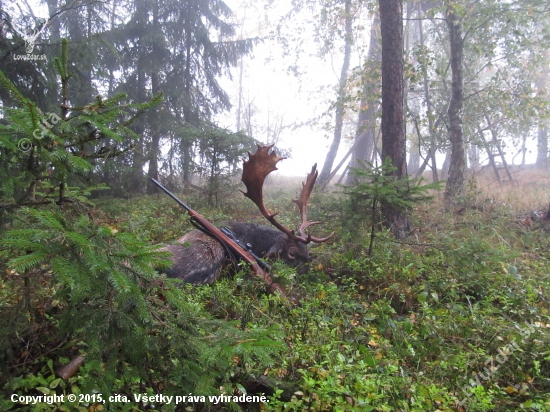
<point x="275" y="92"/>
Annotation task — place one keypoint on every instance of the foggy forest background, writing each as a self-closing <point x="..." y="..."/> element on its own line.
<point x="429" y="122"/>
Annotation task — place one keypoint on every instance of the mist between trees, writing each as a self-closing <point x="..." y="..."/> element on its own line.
<point x="98" y="97"/>
<point x="487" y="108"/>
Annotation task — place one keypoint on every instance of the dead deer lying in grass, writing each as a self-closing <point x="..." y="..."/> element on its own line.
<point x="198" y="258"/>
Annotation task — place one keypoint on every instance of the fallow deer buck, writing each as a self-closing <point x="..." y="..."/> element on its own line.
<point x="198" y="258"/>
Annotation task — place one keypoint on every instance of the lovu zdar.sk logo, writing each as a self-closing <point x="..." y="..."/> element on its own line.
<point x="30" y="38"/>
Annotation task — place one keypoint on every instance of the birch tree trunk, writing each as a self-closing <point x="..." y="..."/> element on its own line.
<point x="455" y="180"/>
<point x="542" y="136"/>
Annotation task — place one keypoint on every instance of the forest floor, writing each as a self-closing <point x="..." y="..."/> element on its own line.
<point x="420" y="324"/>
<point x="454" y="317"/>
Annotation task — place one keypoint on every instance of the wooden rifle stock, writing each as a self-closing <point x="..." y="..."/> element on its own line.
<point x="67" y="371"/>
<point x="272" y="287"/>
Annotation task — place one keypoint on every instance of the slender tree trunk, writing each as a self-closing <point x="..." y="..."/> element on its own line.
<point x="446" y="164"/>
<point x="188" y="117"/>
<point x="241" y="71"/>
<point x="542" y="83"/>
<point x="473" y="155"/>
<point x="414" y="159"/>
<point x="153" y="171"/>
<point x="2" y="34"/>
<point x="455" y="180"/>
<point x="393" y="121"/>
<point x="429" y="112"/>
<point x="432" y="149"/>
<point x="248" y="119"/>
<point x="542" y="146"/>
<point x="138" y="160"/>
<point x="78" y="24"/>
<point x="240" y="99"/>
<point x="54" y="23"/>
<point x="366" y="123"/>
<point x="357" y="142"/>
<point x="156" y="129"/>
<point x="333" y="151"/>
<point x="406" y="48"/>
<point x="415" y="143"/>
<point x="111" y="66"/>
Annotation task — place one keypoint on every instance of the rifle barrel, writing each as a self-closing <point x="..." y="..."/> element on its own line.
<point x="171" y="195"/>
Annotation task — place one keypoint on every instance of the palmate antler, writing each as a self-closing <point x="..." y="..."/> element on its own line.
<point x="256" y="169"/>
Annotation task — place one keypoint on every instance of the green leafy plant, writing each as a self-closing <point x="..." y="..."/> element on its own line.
<point x="376" y="187"/>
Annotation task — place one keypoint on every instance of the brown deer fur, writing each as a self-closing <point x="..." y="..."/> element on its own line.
<point x="197" y="258"/>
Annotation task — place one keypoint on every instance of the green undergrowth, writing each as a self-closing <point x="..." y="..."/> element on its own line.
<point x="420" y="325"/>
<point x="454" y="317"/>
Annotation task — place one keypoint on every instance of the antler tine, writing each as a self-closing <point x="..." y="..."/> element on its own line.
<point x="255" y="170"/>
<point x="307" y="188"/>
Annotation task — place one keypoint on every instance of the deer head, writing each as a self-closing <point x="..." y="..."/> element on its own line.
<point x="255" y="171"/>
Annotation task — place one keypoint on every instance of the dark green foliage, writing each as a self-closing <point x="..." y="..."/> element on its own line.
<point x="80" y="287"/>
<point x="220" y="152"/>
<point x="73" y="280"/>
<point x="404" y="329"/>
<point x="376" y="187"/>
<point x="50" y="157"/>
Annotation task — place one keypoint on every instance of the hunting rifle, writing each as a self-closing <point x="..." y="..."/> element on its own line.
<point x="232" y="245"/>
